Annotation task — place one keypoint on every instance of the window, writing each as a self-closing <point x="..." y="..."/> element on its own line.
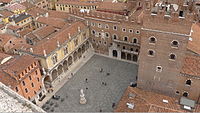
<point x="54" y="58"/>
<point x="134" y="40"/>
<point x="107" y="26"/>
<point x="93" y="24"/>
<point x="124" y="29"/>
<point x="35" y="92"/>
<point x="38" y="79"/>
<point x="35" y="63"/>
<point x="124" y="47"/>
<point x="177" y="92"/>
<point x="172" y="56"/>
<point x="125" y="38"/>
<point x="114" y="36"/>
<point x="75" y="42"/>
<point x="107" y="35"/>
<point x="30" y="78"/>
<point x="93" y="32"/>
<point x="181" y="14"/>
<point x="185" y="94"/>
<point x="130" y="31"/>
<point x="29" y="68"/>
<point x="36" y="72"/>
<point x="23" y="83"/>
<point x="26" y="71"/>
<point x="152" y="40"/>
<point x="26" y="90"/>
<point x="32" y="84"/>
<point x="114" y="27"/>
<point x="136" y="50"/>
<point x="151" y="52"/>
<point x="158" y="68"/>
<point x="174" y="43"/>
<point x="105" y="43"/>
<point x="29" y="98"/>
<point x="16" y="88"/>
<point x="188" y="82"/>
<point x="99" y="25"/>
<point x="65" y="50"/>
<point x="137" y="32"/>
<point x="31" y="65"/>
<point x="131" y="49"/>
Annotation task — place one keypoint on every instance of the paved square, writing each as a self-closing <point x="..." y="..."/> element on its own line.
<point x="98" y="96"/>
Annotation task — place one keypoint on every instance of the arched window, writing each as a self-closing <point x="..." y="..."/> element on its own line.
<point x="134" y="40"/>
<point x="151" y="52"/>
<point x="172" y="56"/>
<point x="107" y="35"/>
<point x="159" y="68"/>
<point x="93" y="32"/>
<point x="125" y="38"/>
<point x="114" y="36"/>
<point x="185" y="94"/>
<point x="152" y="40"/>
<point x="174" y="43"/>
<point x="188" y="82"/>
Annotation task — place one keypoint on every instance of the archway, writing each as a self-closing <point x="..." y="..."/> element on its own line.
<point x="60" y="69"/>
<point x="54" y="74"/>
<point x="75" y="56"/>
<point x="123" y="55"/>
<point x="83" y="48"/>
<point x="128" y="56"/>
<point x="47" y="82"/>
<point x="135" y="57"/>
<point x="87" y="45"/>
<point x="65" y="67"/>
<point x="79" y="53"/>
<point x="114" y="53"/>
<point x="70" y="61"/>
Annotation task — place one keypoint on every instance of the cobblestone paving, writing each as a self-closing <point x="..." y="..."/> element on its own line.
<point x="98" y="96"/>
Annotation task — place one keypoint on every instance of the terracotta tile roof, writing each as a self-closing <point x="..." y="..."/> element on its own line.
<point x="6" y="13"/>
<point x="12" y="27"/>
<point x="109" y="6"/>
<point x="24" y="32"/>
<point x="4" y="38"/>
<point x="77" y="2"/>
<point x="20" y="17"/>
<point x="5" y="1"/>
<point x="191" y="65"/>
<point x="17" y="64"/>
<point x="28" y="5"/>
<point x="15" y="6"/>
<point x="35" y="12"/>
<point x="2" y="25"/>
<point x="8" y="80"/>
<point x="145" y="101"/>
<point x="194" y="44"/>
<point x="58" y="14"/>
<point x="55" y="22"/>
<point x="60" y="36"/>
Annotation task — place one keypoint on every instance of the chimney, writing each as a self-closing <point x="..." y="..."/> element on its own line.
<point x="58" y="44"/>
<point x="45" y="54"/>
<point x="79" y="29"/>
<point x="31" y="50"/>
<point x="69" y="35"/>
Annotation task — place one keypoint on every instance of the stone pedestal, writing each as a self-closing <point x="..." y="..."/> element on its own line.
<point x="82" y="98"/>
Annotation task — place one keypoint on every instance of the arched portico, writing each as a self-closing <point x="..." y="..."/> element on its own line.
<point x="70" y="61"/>
<point x="54" y="74"/>
<point x="79" y="53"/>
<point x="65" y="67"/>
<point x="60" y="69"/>
<point x="75" y="56"/>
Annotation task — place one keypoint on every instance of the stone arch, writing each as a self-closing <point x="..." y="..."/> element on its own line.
<point x="47" y="82"/>
<point x="115" y="53"/>
<point x="87" y="45"/>
<point x="75" y="56"/>
<point x="60" y="69"/>
<point x="65" y="66"/>
<point x="54" y="74"/>
<point x="128" y="56"/>
<point x="123" y="55"/>
<point x="70" y="61"/>
<point x="83" y="48"/>
<point x="135" y="57"/>
<point x="79" y="53"/>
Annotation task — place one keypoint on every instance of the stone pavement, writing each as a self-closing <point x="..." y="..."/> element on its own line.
<point x="72" y="69"/>
<point x="98" y="96"/>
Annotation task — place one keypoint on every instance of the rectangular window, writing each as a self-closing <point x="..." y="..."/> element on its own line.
<point x="30" y="78"/>
<point x="65" y="50"/>
<point x="23" y="83"/>
<point x="26" y="90"/>
<point x="38" y="79"/>
<point x="16" y="89"/>
<point x="36" y="72"/>
<point x="114" y="27"/>
<point x="32" y="84"/>
<point x="54" y="59"/>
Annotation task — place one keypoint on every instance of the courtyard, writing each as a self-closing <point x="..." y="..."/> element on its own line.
<point x="106" y="82"/>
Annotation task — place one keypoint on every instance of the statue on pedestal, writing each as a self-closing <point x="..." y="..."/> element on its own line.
<point x="82" y="97"/>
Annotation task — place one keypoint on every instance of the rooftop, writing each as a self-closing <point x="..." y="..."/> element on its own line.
<point x="146" y="101"/>
<point x="10" y="101"/>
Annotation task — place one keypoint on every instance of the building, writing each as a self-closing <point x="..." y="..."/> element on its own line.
<point x="63" y="52"/>
<point x="22" y="74"/>
<point x="65" y="5"/>
<point x="12" y="102"/>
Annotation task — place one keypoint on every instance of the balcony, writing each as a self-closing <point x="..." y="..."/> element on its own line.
<point x="126" y="42"/>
